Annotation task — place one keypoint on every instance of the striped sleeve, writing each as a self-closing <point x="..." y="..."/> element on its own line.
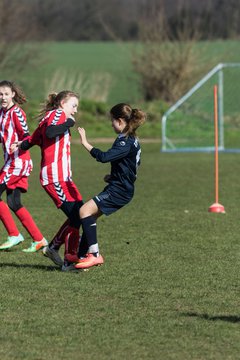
<point x="19" y="118"/>
<point x="57" y="117"/>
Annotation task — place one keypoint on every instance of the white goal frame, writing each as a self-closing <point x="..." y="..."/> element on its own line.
<point x="167" y="144"/>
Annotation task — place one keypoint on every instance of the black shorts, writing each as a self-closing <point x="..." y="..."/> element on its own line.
<point x="110" y="201"/>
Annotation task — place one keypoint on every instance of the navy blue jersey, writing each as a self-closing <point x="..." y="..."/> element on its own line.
<point x="124" y="156"/>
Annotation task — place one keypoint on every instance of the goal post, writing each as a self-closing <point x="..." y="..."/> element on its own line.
<point x="188" y="125"/>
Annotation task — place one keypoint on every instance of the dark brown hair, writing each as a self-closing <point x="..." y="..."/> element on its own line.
<point x="54" y="101"/>
<point x="133" y="117"/>
<point x="19" y="97"/>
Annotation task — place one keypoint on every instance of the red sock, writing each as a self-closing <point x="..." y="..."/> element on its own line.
<point x="72" y="241"/>
<point x="29" y="224"/>
<point x="59" y="238"/>
<point x="7" y="219"/>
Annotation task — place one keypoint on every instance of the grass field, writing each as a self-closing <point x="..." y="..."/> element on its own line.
<point x="105" y="66"/>
<point x="169" y="288"/>
<point x="104" y="72"/>
<point x="99" y="70"/>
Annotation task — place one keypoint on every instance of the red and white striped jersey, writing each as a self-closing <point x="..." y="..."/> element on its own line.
<point x="13" y="127"/>
<point x="56" y="159"/>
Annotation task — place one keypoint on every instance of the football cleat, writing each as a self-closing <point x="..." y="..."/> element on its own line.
<point x="53" y="255"/>
<point x="36" y="246"/>
<point x="12" y="241"/>
<point x="68" y="267"/>
<point x="89" y="261"/>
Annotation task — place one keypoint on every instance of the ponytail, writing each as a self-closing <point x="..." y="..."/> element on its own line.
<point x="133" y="117"/>
<point x="54" y="102"/>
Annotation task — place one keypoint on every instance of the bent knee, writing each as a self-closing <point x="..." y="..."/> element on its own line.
<point x="14" y="206"/>
<point x="88" y="209"/>
<point x="14" y="202"/>
<point x="83" y="212"/>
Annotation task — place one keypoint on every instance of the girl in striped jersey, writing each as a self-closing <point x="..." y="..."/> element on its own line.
<point x="53" y="136"/>
<point x="16" y="169"/>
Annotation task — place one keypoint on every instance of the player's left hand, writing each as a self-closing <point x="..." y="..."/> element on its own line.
<point x="14" y="146"/>
<point x="82" y="134"/>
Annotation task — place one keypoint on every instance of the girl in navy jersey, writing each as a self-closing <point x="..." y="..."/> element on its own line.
<point x="16" y="169"/>
<point x="53" y="136"/>
<point x="124" y="156"/>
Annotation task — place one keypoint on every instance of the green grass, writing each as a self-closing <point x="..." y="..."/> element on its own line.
<point x="107" y="73"/>
<point x="111" y="63"/>
<point x="113" y="60"/>
<point x="99" y="65"/>
<point x="169" y="288"/>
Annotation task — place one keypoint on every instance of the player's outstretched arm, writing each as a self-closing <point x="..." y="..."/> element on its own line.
<point x="15" y="146"/>
<point x="83" y="139"/>
<point x="53" y="131"/>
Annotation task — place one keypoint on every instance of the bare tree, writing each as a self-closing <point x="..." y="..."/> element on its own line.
<point x="168" y="61"/>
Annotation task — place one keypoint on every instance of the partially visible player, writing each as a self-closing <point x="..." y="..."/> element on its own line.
<point x="53" y="136"/>
<point x="16" y="169"/>
<point x="124" y="156"/>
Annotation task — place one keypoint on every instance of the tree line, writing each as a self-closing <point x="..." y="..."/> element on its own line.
<point x="104" y="20"/>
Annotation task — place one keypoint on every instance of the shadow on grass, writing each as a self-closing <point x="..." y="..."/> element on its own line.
<point x="25" y="266"/>
<point x="227" y="318"/>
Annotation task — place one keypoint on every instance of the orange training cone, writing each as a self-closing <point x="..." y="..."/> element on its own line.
<point x="217" y="208"/>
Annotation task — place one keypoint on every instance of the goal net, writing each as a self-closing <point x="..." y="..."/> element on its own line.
<point x="188" y="125"/>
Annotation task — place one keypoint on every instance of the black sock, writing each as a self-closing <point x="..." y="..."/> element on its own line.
<point x="83" y="246"/>
<point x="90" y="232"/>
<point x="52" y="246"/>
